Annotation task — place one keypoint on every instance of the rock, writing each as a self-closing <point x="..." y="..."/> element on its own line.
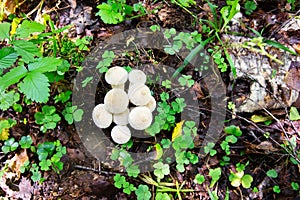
<point x="266" y="78"/>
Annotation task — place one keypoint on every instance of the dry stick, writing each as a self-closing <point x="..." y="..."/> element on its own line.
<point x="96" y="170"/>
<point x="283" y="24"/>
<point x="282" y="128"/>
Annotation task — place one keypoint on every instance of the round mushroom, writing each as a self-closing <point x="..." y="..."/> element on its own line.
<point x="122" y="118"/>
<point x="137" y="76"/>
<point x="116" y="101"/>
<point x="116" y="76"/>
<point x="101" y="117"/>
<point x="139" y="94"/>
<point x="120" y="134"/>
<point x="140" y="118"/>
<point x="151" y="104"/>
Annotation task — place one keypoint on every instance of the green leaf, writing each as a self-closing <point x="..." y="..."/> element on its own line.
<point x="276" y="189"/>
<point x="215" y="175"/>
<point x="162" y="196"/>
<point x="47" y="64"/>
<point x="294" y="114"/>
<point x="4" y="30"/>
<point x="272" y="173"/>
<point x="27" y="50"/>
<point x="45" y="164"/>
<point x="12" y="77"/>
<point x="161" y="170"/>
<point x="108" y="14"/>
<point x="280" y="46"/>
<point x="234" y="130"/>
<point x="7" y="57"/>
<point x="199" y="179"/>
<point x="133" y="170"/>
<point x="143" y="193"/>
<point x="8" y="99"/>
<point x="36" y="87"/>
<point x="28" y="27"/>
<point x="25" y="142"/>
<point x="246" y="181"/>
<point x="77" y="115"/>
<point x="231" y="138"/>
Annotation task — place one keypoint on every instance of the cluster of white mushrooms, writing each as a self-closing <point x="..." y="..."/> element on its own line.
<point x="116" y="104"/>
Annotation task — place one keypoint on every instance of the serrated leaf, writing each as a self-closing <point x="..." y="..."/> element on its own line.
<point x="294" y="114"/>
<point x="28" y="27"/>
<point x="26" y="49"/>
<point x="47" y="64"/>
<point x="35" y="86"/>
<point x="4" y="30"/>
<point x="12" y="77"/>
<point x="7" y="57"/>
<point x="108" y="14"/>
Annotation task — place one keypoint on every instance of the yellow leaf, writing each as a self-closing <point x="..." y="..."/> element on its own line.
<point x="260" y="118"/>
<point x="177" y="130"/>
<point x="14" y="25"/>
<point x="159" y="151"/>
<point x="4" y="134"/>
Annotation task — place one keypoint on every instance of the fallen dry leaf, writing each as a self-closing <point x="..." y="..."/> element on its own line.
<point x="292" y="78"/>
<point x="17" y="161"/>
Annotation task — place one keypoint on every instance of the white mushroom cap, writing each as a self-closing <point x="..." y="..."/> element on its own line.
<point x="122" y="118"/>
<point x="137" y="76"/>
<point x="101" y="117"/>
<point x="151" y="104"/>
<point x="139" y="94"/>
<point x="116" y="101"/>
<point x="140" y="118"/>
<point x="116" y="76"/>
<point x="120" y="134"/>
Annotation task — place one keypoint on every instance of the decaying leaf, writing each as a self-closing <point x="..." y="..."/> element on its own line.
<point x="266" y="146"/>
<point x="17" y="161"/>
<point x="25" y="189"/>
<point x="260" y="118"/>
<point x="292" y="78"/>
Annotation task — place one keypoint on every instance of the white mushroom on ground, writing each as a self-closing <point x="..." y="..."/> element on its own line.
<point x="121" y="118"/>
<point x="151" y="104"/>
<point x="116" y="101"/>
<point x="101" y="117"/>
<point x="137" y="76"/>
<point x="120" y="134"/>
<point x="139" y="94"/>
<point x="140" y="118"/>
<point x="116" y="76"/>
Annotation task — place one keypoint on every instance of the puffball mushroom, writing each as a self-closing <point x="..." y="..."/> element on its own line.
<point x="116" y="76"/>
<point x="101" y="117"/>
<point x="122" y="118"/>
<point x="140" y="118"/>
<point x="137" y="76"/>
<point x="120" y="134"/>
<point x="139" y="94"/>
<point x="116" y="101"/>
<point x="151" y="104"/>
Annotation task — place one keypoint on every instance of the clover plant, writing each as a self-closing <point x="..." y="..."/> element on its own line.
<point x="47" y="118"/>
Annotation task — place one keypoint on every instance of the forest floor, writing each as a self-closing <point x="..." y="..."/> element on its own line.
<point x="256" y="153"/>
